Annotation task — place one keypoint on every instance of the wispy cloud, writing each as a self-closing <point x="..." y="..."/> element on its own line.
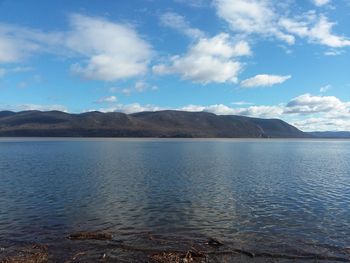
<point x="240" y="103"/>
<point x="325" y="88"/>
<point x="266" y="19"/>
<point x="321" y="2"/>
<point x="179" y="23"/>
<point x="29" y="106"/>
<point x="108" y="99"/>
<point x="264" y="80"/>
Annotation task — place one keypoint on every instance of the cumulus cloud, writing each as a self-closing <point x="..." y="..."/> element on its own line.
<point x="208" y="60"/>
<point x="108" y="99"/>
<point x="113" y="51"/>
<point x="307" y="103"/>
<point x="106" y="50"/>
<point x="264" y="80"/>
<point x="179" y="23"/>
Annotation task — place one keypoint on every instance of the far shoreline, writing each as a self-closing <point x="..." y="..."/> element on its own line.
<point x="63" y="138"/>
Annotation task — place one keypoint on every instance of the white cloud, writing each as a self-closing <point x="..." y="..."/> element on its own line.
<point x="220" y="109"/>
<point x="131" y="108"/>
<point x="317" y="29"/>
<point x="113" y="51"/>
<point x="26" y="107"/>
<point x="252" y="17"/>
<point x="267" y="19"/>
<point x="321" y="2"/>
<point x="333" y="52"/>
<point x="264" y="80"/>
<point x="322" y="124"/>
<point x="109" y="99"/>
<point x="14" y="47"/>
<point x="209" y="60"/>
<point x="139" y="86"/>
<point x="9" y="51"/>
<point x="17" y="43"/>
<point x="108" y="50"/>
<point x="307" y="104"/>
<point x="307" y="112"/>
<point x="126" y="91"/>
<point x="179" y="23"/>
<point x="325" y="88"/>
<point x="193" y="108"/>
<point x="252" y="111"/>
<point x="7" y="70"/>
<point x="240" y="103"/>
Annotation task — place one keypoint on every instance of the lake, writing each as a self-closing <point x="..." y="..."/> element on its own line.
<point x="279" y="197"/>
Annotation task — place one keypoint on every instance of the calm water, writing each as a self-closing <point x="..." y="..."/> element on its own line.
<point x="285" y="196"/>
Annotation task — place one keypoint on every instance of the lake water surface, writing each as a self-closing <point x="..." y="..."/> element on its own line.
<point x="290" y="197"/>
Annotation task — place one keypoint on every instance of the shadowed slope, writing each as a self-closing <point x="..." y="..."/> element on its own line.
<point x="144" y="124"/>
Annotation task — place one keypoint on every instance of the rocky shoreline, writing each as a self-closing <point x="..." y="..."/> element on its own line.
<point x="107" y="249"/>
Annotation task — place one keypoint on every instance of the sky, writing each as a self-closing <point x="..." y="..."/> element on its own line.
<point x="260" y="58"/>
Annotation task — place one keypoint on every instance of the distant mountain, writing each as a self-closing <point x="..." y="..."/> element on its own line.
<point x="331" y="134"/>
<point x="173" y="124"/>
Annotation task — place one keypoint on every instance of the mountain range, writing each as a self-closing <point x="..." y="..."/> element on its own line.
<point x="168" y="124"/>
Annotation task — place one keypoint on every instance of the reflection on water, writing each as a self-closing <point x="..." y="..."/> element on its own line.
<point x="258" y="194"/>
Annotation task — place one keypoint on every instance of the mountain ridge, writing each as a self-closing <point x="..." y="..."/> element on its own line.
<point x="167" y="123"/>
<point x="331" y="134"/>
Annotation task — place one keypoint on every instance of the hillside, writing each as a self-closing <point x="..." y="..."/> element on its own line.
<point x="331" y="134"/>
<point x="143" y="124"/>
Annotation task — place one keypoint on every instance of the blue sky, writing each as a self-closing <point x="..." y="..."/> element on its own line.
<point x="262" y="58"/>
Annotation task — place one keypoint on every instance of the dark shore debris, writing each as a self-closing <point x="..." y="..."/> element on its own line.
<point x="213" y="242"/>
<point x="90" y="236"/>
<point x="207" y="250"/>
<point x="177" y="257"/>
<point x="31" y="254"/>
